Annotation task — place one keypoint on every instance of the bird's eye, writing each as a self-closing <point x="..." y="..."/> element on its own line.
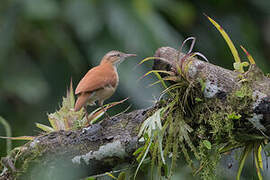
<point x="118" y="55"/>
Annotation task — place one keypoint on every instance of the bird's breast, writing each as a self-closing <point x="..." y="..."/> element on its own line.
<point x="116" y="77"/>
<point x="105" y="93"/>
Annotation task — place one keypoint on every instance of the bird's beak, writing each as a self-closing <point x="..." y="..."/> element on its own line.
<point x="129" y="55"/>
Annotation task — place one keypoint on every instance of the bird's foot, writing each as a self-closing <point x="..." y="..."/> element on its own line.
<point x="88" y="120"/>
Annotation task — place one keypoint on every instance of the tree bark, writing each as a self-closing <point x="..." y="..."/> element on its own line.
<point x="101" y="147"/>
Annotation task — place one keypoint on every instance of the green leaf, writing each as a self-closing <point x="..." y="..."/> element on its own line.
<point x="121" y="176"/>
<point x="110" y="175"/>
<point x="250" y="58"/>
<point x="70" y="93"/>
<point x="256" y="155"/>
<point x="44" y="127"/>
<point x="157" y="71"/>
<point x="95" y="115"/>
<point x="260" y="161"/>
<point x="240" y="65"/>
<point x="154" y="58"/>
<point x="266" y="149"/>
<point x="237" y="66"/>
<point x="243" y="158"/>
<point x="198" y="99"/>
<point x="152" y="128"/>
<point x="227" y="39"/>
<point x="151" y="123"/>
<point x="234" y="116"/>
<point x="160" y="138"/>
<point x="27" y="138"/>
<point x="8" y="133"/>
<point x="163" y="83"/>
<point x="148" y="141"/>
<point x="203" y="85"/>
<point x="240" y="94"/>
<point x="245" y="64"/>
<point x="207" y="144"/>
<point x="138" y="151"/>
<point x="144" y="156"/>
<point x="166" y="170"/>
<point x="90" y="178"/>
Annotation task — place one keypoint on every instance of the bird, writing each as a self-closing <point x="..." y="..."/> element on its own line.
<point x="100" y="82"/>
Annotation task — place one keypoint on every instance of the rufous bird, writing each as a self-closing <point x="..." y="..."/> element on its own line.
<point x="100" y="82"/>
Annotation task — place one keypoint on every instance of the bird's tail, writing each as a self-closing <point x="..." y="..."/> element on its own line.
<point x="81" y="101"/>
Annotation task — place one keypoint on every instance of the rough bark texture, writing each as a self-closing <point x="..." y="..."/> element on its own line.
<point x="220" y="82"/>
<point x="101" y="147"/>
<point x="88" y="151"/>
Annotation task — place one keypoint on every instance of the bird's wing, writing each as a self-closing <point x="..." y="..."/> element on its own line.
<point x="96" y="78"/>
<point x="81" y="101"/>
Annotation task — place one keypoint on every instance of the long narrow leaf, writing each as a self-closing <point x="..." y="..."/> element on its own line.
<point x="229" y="147"/>
<point x="250" y="58"/>
<point x="163" y="83"/>
<point x="96" y="114"/>
<point x="52" y="121"/>
<point x="152" y="58"/>
<point x="150" y="124"/>
<point x="154" y="83"/>
<point x="161" y="80"/>
<point x="227" y="39"/>
<point x="8" y="133"/>
<point x="255" y="153"/>
<point x="158" y="71"/>
<point x="260" y="157"/>
<point x="155" y="71"/>
<point x="28" y="138"/>
<point x="70" y="93"/>
<point x="145" y="153"/>
<point x="140" y="149"/>
<point x="44" y="127"/>
<point x="171" y="78"/>
<point x="243" y="158"/>
<point x="110" y="175"/>
<point x="160" y="138"/>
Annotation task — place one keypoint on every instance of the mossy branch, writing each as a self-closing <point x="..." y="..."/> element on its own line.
<point x="214" y="110"/>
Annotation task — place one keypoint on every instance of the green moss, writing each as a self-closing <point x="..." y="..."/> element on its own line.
<point x="26" y="160"/>
<point x="209" y="161"/>
<point x="190" y="123"/>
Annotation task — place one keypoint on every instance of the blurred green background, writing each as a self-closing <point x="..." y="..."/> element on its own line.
<point x="43" y="43"/>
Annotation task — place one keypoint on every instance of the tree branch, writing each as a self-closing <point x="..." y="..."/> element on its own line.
<point x="101" y="147"/>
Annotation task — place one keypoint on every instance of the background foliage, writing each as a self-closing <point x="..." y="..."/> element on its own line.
<point x="43" y="43"/>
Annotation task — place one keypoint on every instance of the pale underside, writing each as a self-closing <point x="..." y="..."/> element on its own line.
<point x="100" y="95"/>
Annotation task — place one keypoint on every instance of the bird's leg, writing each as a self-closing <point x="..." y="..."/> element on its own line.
<point x="86" y="114"/>
<point x="105" y="111"/>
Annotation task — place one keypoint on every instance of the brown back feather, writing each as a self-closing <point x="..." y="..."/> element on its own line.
<point x="97" y="77"/>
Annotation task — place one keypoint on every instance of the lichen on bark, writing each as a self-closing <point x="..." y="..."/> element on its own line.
<point x="211" y="111"/>
<point x="221" y="110"/>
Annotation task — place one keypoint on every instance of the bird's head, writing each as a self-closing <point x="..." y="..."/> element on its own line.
<point x="115" y="57"/>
